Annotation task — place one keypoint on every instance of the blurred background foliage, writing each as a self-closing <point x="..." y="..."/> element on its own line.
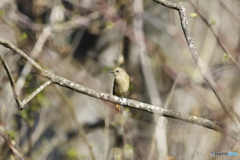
<point x="89" y="39"/>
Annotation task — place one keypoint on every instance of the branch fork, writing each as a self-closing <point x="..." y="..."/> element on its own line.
<point x="20" y="103"/>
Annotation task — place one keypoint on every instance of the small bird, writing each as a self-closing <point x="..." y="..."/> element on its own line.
<point x="121" y="83"/>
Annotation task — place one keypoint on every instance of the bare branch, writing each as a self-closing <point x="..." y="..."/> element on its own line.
<point x="34" y="93"/>
<point x="75" y="120"/>
<point x="107" y="133"/>
<point x="14" y="150"/>
<point x="25" y="22"/>
<point x="75" y="23"/>
<point x="144" y="59"/>
<point x="24" y="56"/>
<point x="12" y="82"/>
<point x="215" y="35"/>
<point x="231" y="8"/>
<point x="149" y="79"/>
<point x="122" y="101"/>
<point x="198" y="61"/>
<point x="34" y="54"/>
<point x="13" y="86"/>
<point x="168" y="4"/>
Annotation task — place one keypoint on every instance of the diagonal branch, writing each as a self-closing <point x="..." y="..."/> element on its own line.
<point x="75" y="120"/>
<point x="13" y="86"/>
<point x="122" y="101"/>
<point x="35" y="53"/>
<point x="217" y="38"/>
<point x="12" y="82"/>
<point x="34" y="93"/>
<point x="198" y="61"/>
<point x="76" y="22"/>
<point x="14" y="150"/>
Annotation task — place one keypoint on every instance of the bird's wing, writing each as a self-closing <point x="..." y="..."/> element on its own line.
<point x="114" y="84"/>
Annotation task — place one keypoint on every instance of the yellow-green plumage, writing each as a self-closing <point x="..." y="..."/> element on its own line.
<point x="121" y="82"/>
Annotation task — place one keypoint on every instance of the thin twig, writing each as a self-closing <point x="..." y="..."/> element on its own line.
<point x="34" y="54"/>
<point x="25" y="22"/>
<point x="12" y="82"/>
<point x="144" y="59"/>
<point x="198" y="61"/>
<point x="13" y="86"/>
<point x="163" y="124"/>
<point x="34" y="93"/>
<point x="75" y="120"/>
<point x="107" y="133"/>
<point x="231" y="8"/>
<point x="76" y="22"/>
<point x="215" y="35"/>
<point x="50" y="146"/>
<point x="169" y="98"/>
<point x="122" y="101"/>
<point x="152" y="148"/>
<point x="14" y="150"/>
<point x="149" y="79"/>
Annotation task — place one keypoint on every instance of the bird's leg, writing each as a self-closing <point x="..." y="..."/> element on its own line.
<point x="118" y="107"/>
<point x="122" y="99"/>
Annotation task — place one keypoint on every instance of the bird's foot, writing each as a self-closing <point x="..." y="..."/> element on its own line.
<point x="118" y="107"/>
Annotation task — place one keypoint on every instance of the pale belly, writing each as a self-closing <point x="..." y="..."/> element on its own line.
<point x="121" y="89"/>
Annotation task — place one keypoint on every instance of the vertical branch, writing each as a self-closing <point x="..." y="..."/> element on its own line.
<point x="74" y="118"/>
<point x="107" y="134"/>
<point x="150" y="82"/>
<point x="12" y="82"/>
<point x="145" y="62"/>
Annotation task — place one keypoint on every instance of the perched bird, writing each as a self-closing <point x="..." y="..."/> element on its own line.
<point x="121" y="83"/>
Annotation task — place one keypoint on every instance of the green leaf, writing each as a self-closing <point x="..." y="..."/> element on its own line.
<point x="127" y="109"/>
<point x="30" y="121"/>
<point x="225" y="56"/>
<point x="2" y="128"/>
<point x="2" y="12"/>
<point x="24" y="35"/>
<point x="106" y="69"/>
<point x="212" y="22"/>
<point x="193" y="15"/>
<point x="128" y="146"/>
<point x="71" y="153"/>
<point x="109" y="24"/>
<point x="3" y="108"/>
<point x="11" y="134"/>
<point x="12" y="157"/>
<point x="128" y="151"/>
<point x="24" y="114"/>
<point x="92" y="144"/>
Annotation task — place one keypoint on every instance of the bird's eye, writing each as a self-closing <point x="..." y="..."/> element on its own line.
<point x="117" y="71"/>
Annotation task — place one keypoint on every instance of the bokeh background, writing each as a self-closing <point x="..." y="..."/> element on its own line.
<point x="82" y="40"/>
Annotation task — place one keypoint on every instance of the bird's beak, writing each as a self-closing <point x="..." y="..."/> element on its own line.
<point x="111" y="72"/>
